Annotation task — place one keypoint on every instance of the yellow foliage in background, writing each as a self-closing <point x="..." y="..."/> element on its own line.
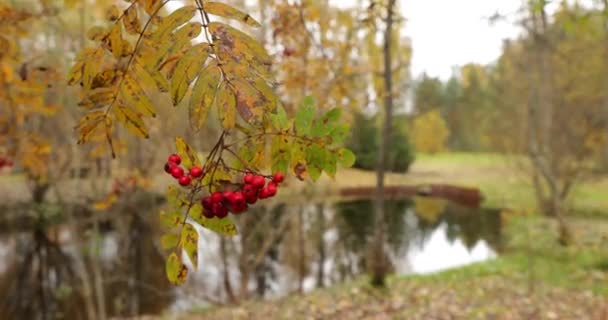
<point x="429" y="132"/>
<point x="429" y="209"/>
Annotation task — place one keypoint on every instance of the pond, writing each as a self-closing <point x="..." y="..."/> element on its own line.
<point x="282" y="249"/>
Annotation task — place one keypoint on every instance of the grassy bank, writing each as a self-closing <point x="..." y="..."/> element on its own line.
<point x="500" y="178"/>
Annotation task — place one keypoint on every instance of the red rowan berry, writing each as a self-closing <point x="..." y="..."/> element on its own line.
<point x="258" y="182"/>
<point x="207" y="203"/>
<point x="248" y="178"/>
<point x="196" y="172"/>
<point x="217" y="197"/>
<point x="177" y="172"/>
<point x="278" y="177"/>
<point x="219" y="210"/>
<point x="168" y="167"/>
<point x="174" y="158"/>
<point x="272" y="189"/>
<point x="184" y="181"/>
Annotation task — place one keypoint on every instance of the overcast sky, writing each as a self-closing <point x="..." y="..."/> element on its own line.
<point x="446" y="33"/>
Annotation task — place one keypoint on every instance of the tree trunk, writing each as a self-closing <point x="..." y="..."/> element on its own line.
<point x="301" y="251"/>
<point x="244" y="266"/>
<point x="378" y="261"/>
<point x="540" y="114"/>
<point x="321" y="246"/>
<point x="225" y="271"/>
<point x="97" y="274"/>
<point x="605" y="102"/>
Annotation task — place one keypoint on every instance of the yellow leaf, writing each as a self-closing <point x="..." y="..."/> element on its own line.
<point x="135" y="96"/>
<point x="169" y="240"/>
<point x="97" y="98"/>
<point x="170" y="220"/>
<point x="105" y="78"/>
<point x="187" y="153"/>
<point x="226" y="11"/>
<point x="203" y="95"/>
<point x="186" y="70"/>
<point x="70" y="4"/>
<point x="226" y="106"/>
<point x="238" y="43"/>
<point x="223" y="226"/>
<point x="131" y="120"/>
<point x="249" y="101"/>
<point x="112" y="13"/>
<point x="105" y="203"/>
<point x="174" y="43"/>
<point x="114" y="41"/>
<point x="176" y="270"/>
<point x="174" y="20"/>
<point x="97" y="33"/>
<point x="151" y="6"/>
<point x="131" y="21"/>
<point x="89" y="124"/>
<point x="86" y="66"/>
<point x="189" y="242"/>
<point x="151" y="79"/>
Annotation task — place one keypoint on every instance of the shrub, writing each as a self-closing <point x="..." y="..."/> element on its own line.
<point x="365" y="141"/>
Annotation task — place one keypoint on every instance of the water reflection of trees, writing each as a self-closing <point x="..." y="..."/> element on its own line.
<point x="410" y="223"/>
<point x="66" y="270"/>
<point x="110" y="261"/>
<point x="470" y="225"/>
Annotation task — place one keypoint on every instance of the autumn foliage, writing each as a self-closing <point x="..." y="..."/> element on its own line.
<point x="209" y="67"/>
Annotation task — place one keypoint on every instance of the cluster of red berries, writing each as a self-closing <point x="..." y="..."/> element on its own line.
<point x="219" y="204"/>
<point x="254" y="187"/>
<point x="5" y="162"/>
<point x="173" y="168"/>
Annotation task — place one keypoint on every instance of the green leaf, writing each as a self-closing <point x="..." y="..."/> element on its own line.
<point x="346" y="158"/>
<point x="315" y="159"/>
<point x="176" y="271"/>
<point x="280" y="153"/>
<point x="190" y="243"/>
<point x="330" y="164"/>
<point x="339" y="133"/>
<point x="279" y="119"/>
<point x="304" y="116"/>
<point x="322" y="126"/>
<point x="171" y="219"/>
<point x="187" y="153"/>
<point x="169" y="240"/>
<point x="223" y="226"/>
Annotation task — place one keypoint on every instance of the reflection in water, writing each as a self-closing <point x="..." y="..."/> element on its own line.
<point x="424" y="235"/>
<point x="280" y="250"/>
<point x="439" y="252"/>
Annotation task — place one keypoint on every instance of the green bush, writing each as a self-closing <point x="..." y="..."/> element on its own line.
<point x="365" y="141"/>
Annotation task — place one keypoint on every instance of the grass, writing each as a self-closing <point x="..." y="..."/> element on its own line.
<point x="498" y="177"/>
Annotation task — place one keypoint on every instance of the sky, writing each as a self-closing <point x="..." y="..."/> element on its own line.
<point x="446" y="33"/>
